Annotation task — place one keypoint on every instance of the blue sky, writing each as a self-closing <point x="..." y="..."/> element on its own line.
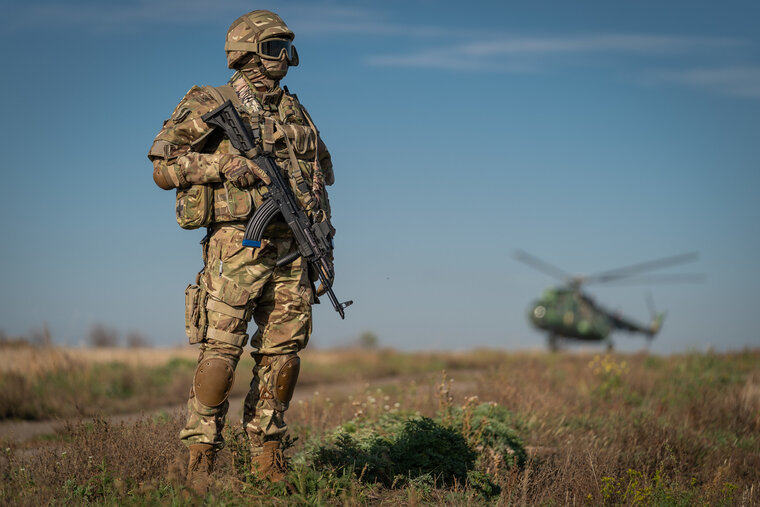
<point x="593" y="134"/>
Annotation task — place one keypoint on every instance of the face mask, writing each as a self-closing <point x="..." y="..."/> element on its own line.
<point x="264" y="74"/>
<point x="275" y="69"/>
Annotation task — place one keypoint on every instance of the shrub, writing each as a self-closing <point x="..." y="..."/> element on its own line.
<point x="420" y="447"/>
<point x="487" y="428"/>
<point x="399" y="450"/>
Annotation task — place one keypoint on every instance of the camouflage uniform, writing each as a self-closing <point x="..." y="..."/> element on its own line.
<point x="239" y="283"/>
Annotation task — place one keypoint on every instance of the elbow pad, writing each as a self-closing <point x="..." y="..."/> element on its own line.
<point x="164" y="154"/>
<point x="161" y="177"/>
<point x="168" y="176"/>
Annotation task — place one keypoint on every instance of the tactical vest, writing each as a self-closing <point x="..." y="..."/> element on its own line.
<point x="287" y="133"/>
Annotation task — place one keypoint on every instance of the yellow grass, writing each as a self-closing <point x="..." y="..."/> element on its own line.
<point x="31" y="361"/>
<point x="35" y="361"/>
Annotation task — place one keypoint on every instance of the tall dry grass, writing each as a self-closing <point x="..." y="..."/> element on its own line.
<point x="43" y="383"/>
<point x="35" y="361"/>
<point x="601" y="430"/>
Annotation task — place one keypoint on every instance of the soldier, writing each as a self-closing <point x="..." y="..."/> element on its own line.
<point x="219" y="189"/>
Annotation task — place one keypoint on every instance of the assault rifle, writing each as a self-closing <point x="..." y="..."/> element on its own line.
<point x="314" y="240"/>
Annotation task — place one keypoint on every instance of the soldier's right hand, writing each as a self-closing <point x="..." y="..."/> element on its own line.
<point x="242" y="172"/>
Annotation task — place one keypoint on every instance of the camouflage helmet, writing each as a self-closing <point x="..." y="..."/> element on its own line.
<point x="249" y="30"/>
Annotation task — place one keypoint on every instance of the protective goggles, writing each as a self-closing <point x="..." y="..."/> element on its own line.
<point x="271" y="49"/>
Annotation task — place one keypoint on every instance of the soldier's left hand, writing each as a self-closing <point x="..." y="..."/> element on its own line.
<point x="243" y="172"/>
<point x="322" y="289"/>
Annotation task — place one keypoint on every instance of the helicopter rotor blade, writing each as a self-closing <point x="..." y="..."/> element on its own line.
<point x="615" y="274"/>
<point x="544" y="267"/>
<point x="664" y="278"/>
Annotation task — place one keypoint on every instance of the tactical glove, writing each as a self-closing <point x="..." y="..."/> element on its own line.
<point x="241" y="171"/>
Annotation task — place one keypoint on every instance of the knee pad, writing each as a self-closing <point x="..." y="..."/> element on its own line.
<point x="278" y="376"/>
<point x="213" y="381"/>
<point x="286" y="377"/>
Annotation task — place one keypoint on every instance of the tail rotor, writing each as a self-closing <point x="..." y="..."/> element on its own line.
<point x="657" y="318"/>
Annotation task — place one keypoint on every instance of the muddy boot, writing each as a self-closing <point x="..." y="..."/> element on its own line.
<point x="270" y="464"/>
<point x="200" y="467"/>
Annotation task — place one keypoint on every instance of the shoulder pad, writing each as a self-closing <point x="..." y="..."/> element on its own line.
<point x="196" y="102"/>
<point x="185" y="127"/>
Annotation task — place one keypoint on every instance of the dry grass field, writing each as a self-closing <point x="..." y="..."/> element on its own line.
<point x="596" y="429"/>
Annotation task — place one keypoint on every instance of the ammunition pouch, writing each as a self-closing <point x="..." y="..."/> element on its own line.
<point x="194" y="206"/>
<point x="196" y="321"/>
<point x="302" y="139"/>
<point x="239" y="202"/>
<point x="228" y="199"/>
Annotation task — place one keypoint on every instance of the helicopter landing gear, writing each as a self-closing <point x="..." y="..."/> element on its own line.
<point x="553" y="342"/>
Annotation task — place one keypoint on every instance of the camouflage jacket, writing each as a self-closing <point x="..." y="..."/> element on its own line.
<point x="188" y="155"/>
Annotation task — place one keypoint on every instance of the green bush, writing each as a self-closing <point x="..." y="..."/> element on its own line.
<point x="421" y="446"/>
<point x="488" y="430"/>
<point x="403" y="450"/>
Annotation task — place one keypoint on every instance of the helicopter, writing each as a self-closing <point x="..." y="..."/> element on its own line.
<point x="570" y="314"/>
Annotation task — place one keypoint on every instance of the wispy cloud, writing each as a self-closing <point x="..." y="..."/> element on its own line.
<point x="734" y="81"/>
<point x="617" y="43"/>
<point x="529" y="53"/>
<point x="638" y="54"/>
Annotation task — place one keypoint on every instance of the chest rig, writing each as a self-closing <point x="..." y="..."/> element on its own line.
<point x="287" y="134"/>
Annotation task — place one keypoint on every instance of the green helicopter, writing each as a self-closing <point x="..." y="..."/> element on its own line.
<point x="568" y="313"/>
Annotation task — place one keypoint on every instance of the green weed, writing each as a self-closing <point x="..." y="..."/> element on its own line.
<point x="636" y="488"/>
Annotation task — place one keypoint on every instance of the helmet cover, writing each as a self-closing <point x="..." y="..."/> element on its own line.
<point x="249" y="30"/>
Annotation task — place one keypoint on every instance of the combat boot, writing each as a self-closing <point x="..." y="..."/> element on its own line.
<point x="201" y="466"/>
<point x="270" y="464"/>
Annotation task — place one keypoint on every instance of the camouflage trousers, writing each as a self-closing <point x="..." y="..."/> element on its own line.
<point x="243" y="283"/>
